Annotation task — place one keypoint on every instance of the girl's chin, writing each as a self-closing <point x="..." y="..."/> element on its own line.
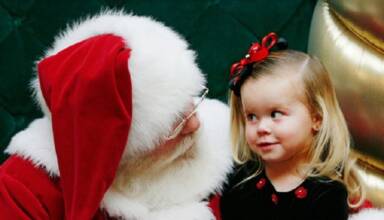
<point x="265" y="151"/>
<point x="271" y="157"/>
<point x="268" y="160"/>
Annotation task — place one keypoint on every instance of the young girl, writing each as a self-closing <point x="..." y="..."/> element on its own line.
<point x="290" y="140"/>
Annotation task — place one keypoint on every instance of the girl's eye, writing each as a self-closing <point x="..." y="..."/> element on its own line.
<point x="276" y="114"/>
<point x="251" y="117"/>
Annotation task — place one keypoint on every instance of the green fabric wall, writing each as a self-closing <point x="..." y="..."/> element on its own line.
<point x="219" y="30"/>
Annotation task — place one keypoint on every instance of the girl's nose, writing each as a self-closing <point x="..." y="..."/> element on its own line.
<point x="263" y="127"/>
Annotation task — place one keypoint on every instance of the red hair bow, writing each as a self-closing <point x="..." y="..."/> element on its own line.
<point x="255" y="53"/>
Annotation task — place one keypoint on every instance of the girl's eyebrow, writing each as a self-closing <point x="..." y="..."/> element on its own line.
<point x="281" y="107"/>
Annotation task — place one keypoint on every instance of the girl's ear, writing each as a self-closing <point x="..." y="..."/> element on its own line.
<point x="316" y="122"/>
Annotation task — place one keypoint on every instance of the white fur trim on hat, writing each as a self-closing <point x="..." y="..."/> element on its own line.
<point x="163" y="71"/>
<point x="36" y="144"/>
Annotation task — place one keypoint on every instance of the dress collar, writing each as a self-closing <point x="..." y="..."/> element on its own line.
<point x="264" y="184"/>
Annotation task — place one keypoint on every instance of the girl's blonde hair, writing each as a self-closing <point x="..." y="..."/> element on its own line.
<point x="330" y="152"/>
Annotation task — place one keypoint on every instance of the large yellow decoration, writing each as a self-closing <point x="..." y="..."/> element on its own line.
<point x="348" y="37"/>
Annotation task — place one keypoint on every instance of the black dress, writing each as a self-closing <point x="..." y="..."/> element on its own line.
<point x="256" y="199"/>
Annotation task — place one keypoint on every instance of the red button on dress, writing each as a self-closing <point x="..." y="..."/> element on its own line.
<point x="301" y="192"/>
<point x="274" y="198"/>
<point x="261" y="183"/>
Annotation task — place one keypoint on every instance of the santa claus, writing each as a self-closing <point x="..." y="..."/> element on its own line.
<point x="122" y="136"/>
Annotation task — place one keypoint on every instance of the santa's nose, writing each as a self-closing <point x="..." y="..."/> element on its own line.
<point x="191" y="125"/>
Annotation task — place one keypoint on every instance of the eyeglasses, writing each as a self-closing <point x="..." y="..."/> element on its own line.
<point x="181" y="124"/>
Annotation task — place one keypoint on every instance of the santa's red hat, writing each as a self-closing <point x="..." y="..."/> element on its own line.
<point x="112" y="86"/>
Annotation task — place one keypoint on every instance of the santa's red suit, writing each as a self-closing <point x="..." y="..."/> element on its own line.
<point x="111" y="88"/>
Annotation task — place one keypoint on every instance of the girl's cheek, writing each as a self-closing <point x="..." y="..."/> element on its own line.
<point x="250" y="134"/>
<point x="286" y="127"/>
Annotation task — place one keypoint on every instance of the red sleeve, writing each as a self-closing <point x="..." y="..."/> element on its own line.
<point x="214" y="204"/>
<point x="18" y="202"/>
<point x="26" y="192"/>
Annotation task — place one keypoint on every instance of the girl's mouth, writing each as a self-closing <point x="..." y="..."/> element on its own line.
<point x="266" y="145"/>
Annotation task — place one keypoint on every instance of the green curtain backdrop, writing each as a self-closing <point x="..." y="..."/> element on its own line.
<point x="219" y="30"/>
